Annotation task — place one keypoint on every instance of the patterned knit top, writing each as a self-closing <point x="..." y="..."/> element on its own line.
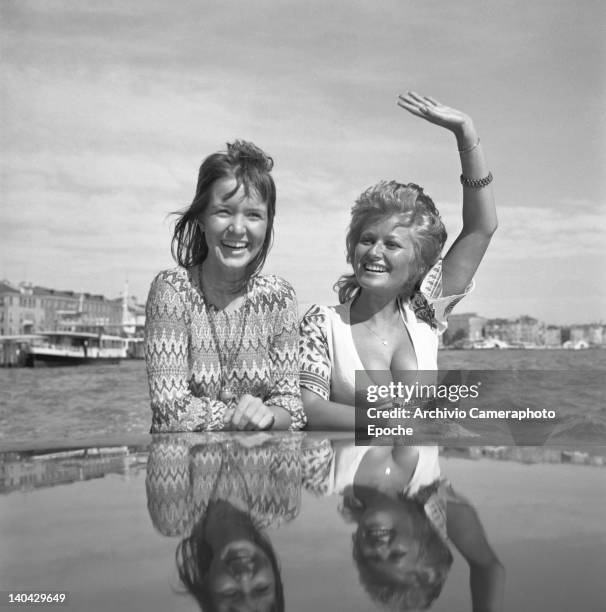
<point x="185" y="472"/>
<point x="183" y="364"/>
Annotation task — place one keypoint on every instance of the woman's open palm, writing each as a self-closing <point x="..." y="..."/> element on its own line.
<point x="433" y="111"/>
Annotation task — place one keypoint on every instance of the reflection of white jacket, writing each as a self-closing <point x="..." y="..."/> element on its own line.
<point x="347" y="460"/>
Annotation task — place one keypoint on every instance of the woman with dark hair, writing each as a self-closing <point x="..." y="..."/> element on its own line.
<point x="395" y="303"/>
<point x="220" y="494"/>
<point x="220" y="338"/>
<point x="227" y="563"/>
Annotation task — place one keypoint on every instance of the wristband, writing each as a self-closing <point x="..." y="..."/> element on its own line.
<point x="477" y="183"/>
<point x="471" y="148"/>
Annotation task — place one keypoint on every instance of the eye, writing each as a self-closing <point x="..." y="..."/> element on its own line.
<point x="223" y="212"/>
<point x="229" y="594"/>
<point x="256" y="214"/>
<point x="392" y="244"/>
<point x="262" y="589"/>
<point x="366" y="240"/>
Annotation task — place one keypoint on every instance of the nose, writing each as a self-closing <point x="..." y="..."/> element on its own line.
<point x="383" y="552"/>
<point x="237" y="225"/>
<point x="376" y="250"/>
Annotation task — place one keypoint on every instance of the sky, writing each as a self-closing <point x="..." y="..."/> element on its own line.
<point x="108" y="109"/>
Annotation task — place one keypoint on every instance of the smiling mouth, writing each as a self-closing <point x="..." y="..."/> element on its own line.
<point x="378" y="534"/>
<point x="235" y="245"/>
<point x="375" y="268"/>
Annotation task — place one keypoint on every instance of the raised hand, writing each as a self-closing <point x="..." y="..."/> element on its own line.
<point x="437" y="113"/>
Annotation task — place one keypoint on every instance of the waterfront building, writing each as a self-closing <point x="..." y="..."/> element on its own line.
<point x="465" y="327"/>
<point x="592" y="334"/>
<point x="552" y="336"/>
<point x="9" y="309"/>
<point x="27" y="309"/>
<point x="523" y="331"/>
<point x="498" y="329"/>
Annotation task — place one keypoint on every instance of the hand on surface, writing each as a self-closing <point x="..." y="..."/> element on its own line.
<point x="250" y="413"/>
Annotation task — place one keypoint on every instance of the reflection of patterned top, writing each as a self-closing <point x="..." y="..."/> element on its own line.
<point x="183" y="366"/>
<point x="185" y="472"/>
<point x="328" y="355"/>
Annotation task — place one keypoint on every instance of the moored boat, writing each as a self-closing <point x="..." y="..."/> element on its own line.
<point x="75" y="348"/>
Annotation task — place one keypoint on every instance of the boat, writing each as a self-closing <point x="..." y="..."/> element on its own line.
<point x="60" y="348"/>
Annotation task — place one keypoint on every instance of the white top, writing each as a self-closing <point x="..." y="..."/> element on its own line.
<point x="328" y="358"/>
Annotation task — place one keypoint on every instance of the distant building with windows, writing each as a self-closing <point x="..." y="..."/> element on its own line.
<point x="521" y="331"/>
<point x="27" y="309"/>
<point x="592" y="334"/>
<point x="552" y="336"/>
<point x="465" y="327"/>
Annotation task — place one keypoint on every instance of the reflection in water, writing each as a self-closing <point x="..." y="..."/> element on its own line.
<point x="228" y="563"/>
<point x="218" y="492"/>
<point x="406" y="513"/>
<point x="401" y="559"/>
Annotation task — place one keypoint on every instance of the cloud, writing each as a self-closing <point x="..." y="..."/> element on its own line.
<point x="565" y="230"/>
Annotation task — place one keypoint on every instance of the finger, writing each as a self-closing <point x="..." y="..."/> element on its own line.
<point x="238" y="419"/>
<point x="416" y="101"/>
<point x="256" y="415"/>
<point x="249" y="411"/>
<point x="411" y="100"/>
<point x="413" y="108"/>
<point x="267" y="421"/>
<point x="228" y="415"/>
<point x="415" y="96"/>
<point x="432" y="101"/>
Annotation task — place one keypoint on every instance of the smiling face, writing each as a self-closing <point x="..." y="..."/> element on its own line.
<point x="234" y="226"/>
<point x="384" y="258"/>
<point x="241" y="579"/>
<point x="387" y="542"/>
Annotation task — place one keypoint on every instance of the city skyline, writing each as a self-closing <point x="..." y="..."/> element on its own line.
<point x="140" y="303"/>
<point x="109" y="109"/>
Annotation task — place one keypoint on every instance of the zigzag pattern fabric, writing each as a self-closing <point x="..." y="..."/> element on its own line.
<point x="184" y="474"/>
<point x="183" y="366"/>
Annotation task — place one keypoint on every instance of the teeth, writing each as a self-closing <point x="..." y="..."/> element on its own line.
<point x="379" y="531"/>
<point x="233" y="244"/>
<point x="371" y="268"/>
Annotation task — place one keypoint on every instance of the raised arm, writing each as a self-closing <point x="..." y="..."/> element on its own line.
<point x="479" y="212"/>
<point x="174" y="408"/>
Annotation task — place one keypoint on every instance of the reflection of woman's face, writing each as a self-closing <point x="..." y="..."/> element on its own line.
<point x="387" y="543"/>
<point x="241" y="579"/>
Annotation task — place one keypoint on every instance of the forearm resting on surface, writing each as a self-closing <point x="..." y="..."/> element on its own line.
<point x="187" y="414"/>
<point x="282" y="419"/>
<point x="326" y="415"/>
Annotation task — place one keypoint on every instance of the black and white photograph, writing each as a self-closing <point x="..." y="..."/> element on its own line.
<point x="303" y="305"/>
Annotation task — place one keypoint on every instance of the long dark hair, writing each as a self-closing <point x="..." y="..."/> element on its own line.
<point x="251" y="168"/>
<point x="194" y="556"/>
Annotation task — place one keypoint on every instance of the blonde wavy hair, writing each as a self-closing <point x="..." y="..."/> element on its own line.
<point x="416" y="211"/>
